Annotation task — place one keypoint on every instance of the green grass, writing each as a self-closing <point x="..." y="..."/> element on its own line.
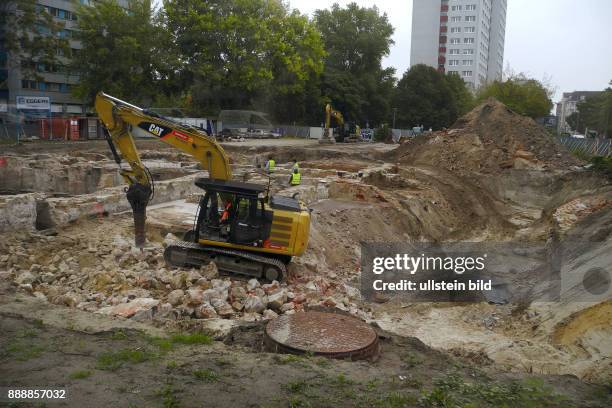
<point x="208" y="376"/>
<point x="23" y="351"/>
<point x="453" y="392"/>
<point x="410" y="360"/>
<point x="80" y="374"/>
<point x="296" y="387"/>
<point x="283" y="359"/>
<point x="115" y="359"/>
<point x="168" y="395"/>
<point x="119" y="335"/>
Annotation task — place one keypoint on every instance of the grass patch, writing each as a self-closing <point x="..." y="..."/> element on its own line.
<point x="296" y="387"/>
<point x="397" y="400"/>
<point x="410" y="360"/>
<point x="119" y="335"/>
<point x="168" y="396"/>
<point x="23" y="351"/>
<point x="452" y="391"/>
<point x="283" y="359"/>
<point x="80" y="374"/>
<point x="208" y="376"/>
<point x="115" y="359"/>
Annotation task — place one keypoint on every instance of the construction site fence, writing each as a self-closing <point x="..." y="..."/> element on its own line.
<point x="52" y="129"/>
<point x="590" y="146"/>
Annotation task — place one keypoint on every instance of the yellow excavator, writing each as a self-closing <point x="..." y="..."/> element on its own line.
<point x="238" y="226"/>
<point x="328" y="132"/>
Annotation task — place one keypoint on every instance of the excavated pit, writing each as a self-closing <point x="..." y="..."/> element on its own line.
<point x="356" y="193"/>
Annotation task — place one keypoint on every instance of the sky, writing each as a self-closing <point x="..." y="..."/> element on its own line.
<point x="567" y="42"/>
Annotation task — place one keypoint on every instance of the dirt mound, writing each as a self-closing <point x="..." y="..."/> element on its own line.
<point x="488" y="139"/>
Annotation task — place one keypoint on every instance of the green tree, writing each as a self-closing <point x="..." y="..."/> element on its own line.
<point x="463" y="98"/>
<point x="356" y="39"/>
<point x="426" y="97"/>
<point x="595" y="113"/>
<point x="523" y="95"/>
<point x="122" y="54"/>
<point x="574" y="121"/>
<point x="31" y="38"/>
<point x="239" y="54"/>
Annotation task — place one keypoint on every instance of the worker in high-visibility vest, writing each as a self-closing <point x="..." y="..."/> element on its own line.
<point x="270" y="165"/>
<point x="295" y="165"/>
<point x="296" y="178"/>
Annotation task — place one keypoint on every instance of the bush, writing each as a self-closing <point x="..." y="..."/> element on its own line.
<point x="383" y="134"/>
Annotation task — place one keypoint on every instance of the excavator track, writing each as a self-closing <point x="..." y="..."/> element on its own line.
<point x="191" y="254"/>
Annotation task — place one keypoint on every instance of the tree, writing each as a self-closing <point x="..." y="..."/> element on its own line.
<point x="31" y="38"/>
<point x="595" y="113"/>
<point x="356" y="39"/>
<point x="523" y="95"/>
<point x="121" y="52"/>
<point x="463" y="98"/>
<point x="242" y="54"/>
<point x="574" y="122"/>
<point x="426" y="97"/>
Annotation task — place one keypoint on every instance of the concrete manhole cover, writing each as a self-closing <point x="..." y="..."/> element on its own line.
<point x="324" y="334"/>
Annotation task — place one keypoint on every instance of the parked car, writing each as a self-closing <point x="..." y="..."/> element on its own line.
<point x="258" y="134"/>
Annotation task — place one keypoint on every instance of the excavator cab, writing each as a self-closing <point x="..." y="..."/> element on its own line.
<point x="232" y="212"/>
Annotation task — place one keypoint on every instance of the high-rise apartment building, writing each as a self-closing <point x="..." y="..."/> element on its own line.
<point x="465" y="37"/>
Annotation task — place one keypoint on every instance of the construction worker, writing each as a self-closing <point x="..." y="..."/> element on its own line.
<point x="295" y="165"/>
<point x="295" y="178"/>
<point x="226" y="212"/>
<point x="270" y="165"/>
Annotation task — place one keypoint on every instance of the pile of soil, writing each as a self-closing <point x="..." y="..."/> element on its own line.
<point x="488" y="139"/>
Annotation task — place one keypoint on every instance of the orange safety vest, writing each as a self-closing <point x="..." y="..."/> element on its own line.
<point x="225" y="214"/>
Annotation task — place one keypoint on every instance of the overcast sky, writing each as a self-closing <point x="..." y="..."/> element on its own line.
<point x="566" y="40"/>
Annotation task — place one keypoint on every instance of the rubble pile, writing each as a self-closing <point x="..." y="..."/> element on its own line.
<point x="488" y="139"/>
<point x="114" y="278"/>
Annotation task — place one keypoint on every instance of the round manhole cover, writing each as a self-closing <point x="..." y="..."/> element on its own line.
<point x="320" y="333"/>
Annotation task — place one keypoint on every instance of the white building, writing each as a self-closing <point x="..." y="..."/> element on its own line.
<point x="568" y="105"/>
<point x="465" y="37"/>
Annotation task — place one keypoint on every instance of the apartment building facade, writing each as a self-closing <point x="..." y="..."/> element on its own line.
<point x="53" y="87"/>
<point x="465" y="37"/>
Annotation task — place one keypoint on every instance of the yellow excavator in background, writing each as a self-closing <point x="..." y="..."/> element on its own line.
<point x="328" y="132"/>
<point x="237" y="225"/>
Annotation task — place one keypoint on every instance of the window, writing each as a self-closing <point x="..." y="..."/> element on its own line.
<point x="468" y="40"/>
<point x="456" y="8"/>
<point x="470" y="18"/>
<point x="468" y="63"/>
<point x="454" y="51"/>
<point x="467" y="73"/>
<point x="456" y="19"/>
<point x="470" y="29"/>
<point x="455" y="29"/>
<point x="455" y="41"/>
<point x="27" y="84"/>
<point x="470" y="7"/>
<point x="453" y="63"/>
<point x="468" y="52"/>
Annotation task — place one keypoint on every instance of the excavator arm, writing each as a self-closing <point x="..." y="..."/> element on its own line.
<point x="121" y="119"/>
